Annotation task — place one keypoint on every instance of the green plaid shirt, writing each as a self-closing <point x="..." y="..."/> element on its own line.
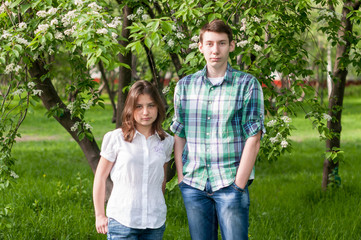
<point x="216" y="121"/>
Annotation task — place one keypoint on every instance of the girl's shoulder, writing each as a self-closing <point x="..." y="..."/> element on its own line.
<point x="168" y="139"/>
<point x="114" y="134"/>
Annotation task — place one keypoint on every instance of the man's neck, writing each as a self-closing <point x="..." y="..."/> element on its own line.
<point x="216" y="72"/>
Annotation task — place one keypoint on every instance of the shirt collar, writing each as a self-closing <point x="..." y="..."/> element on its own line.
<point x="138" y="133"/>
<point x="227" y="76"/>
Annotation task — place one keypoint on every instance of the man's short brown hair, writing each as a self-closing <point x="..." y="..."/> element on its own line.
<point x="218" y="26"/>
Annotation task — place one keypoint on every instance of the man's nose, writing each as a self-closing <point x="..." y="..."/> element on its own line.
<point x="215" y="48"/>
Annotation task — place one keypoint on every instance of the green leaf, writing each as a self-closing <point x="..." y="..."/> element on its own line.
<point x="148" y="42"/>
<point x="167" y="26"/>
<point x="14" y="4"/>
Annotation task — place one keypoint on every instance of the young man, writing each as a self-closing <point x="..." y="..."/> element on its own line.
<point x="218" y="124"/>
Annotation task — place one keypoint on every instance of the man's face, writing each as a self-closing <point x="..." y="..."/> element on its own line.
<point x="216" y="48"/>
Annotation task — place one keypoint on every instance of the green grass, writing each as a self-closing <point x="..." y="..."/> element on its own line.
<point x="52" y="197"/>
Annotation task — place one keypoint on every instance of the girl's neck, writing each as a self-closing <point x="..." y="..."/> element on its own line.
<point x="146" y="131"/>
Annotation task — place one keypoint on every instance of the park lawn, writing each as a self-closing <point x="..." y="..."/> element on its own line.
<point x="52" y="197"/>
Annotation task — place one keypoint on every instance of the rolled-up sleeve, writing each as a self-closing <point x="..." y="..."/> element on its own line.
<point x="253" y="110"/>
<point x="177" y="126"/>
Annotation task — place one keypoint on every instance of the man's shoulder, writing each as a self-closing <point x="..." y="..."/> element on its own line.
<point x="240" y="75"/>
<point x="190" y="78"/>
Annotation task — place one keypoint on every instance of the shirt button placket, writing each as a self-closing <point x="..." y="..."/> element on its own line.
<point x="145" y="181"/>
<point x="208" y="132"/>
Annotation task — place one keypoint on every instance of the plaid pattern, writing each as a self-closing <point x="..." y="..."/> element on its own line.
<point x="216" y="121"/>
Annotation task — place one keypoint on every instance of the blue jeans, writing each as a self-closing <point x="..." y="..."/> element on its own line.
<point x="228" y="206"/>
<point x="118" y="231"/>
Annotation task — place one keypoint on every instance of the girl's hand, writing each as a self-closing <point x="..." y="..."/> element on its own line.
<point x="101" y="224"/>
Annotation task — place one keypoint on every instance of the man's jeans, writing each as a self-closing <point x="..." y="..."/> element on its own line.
<point x="228" y="206"/>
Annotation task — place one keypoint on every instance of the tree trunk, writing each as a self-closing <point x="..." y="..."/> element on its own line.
<point x="110" y="93"/>
<point x="125" y="74"/>
<point x="337" y="94"/>
<point x="50" y="99"/>
<point x="329" y="70"/>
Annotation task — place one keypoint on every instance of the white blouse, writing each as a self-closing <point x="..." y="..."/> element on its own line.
<point x="137" y="199"/>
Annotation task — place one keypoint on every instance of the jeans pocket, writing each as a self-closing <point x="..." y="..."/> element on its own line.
<point x="238" y="189"/>
<point x="181" y="184"/>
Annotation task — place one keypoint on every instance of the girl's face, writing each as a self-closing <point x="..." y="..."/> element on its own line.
<point x="145" y="112"/>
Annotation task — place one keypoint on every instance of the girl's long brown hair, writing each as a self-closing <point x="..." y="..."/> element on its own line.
<point x="128" y="122"/>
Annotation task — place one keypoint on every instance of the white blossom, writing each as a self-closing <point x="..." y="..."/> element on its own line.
<point x="2" y="8"/>
<point x="42" y="28"/>
<point x="326" y="117"/>
<point x="37" y="92"/>
<point x="17" y="68"/>
<point x="41" y="13"/>
<point x="75" y="127"/>
<point x="256" y="19"/>
<point x="52" y="11"/>
<point x="69" y="31"/>
<point x="54" y="22"/>
<point x="59" y="36"/>
<point x="242" y="44"/>
<point x="22" y="41"/>
<point x="68" y="17"/>
<point x="131" y="17"/>
<point x="271" y="123"/>
<point x="5" y="35"/>
<point x="166" y="90"/>
<point x="114" y="35"/>
<point x="9" y="68"/>
<point x="95" y="6"/>
<point x="78" y="2"/>
<point x="31" y="85"/>
<point x="273" y="139"/>
<point x="13" y="174"/>
<point x="87" y="126"/>
<point x="22" y="25"/>
<point x="284" y="144"/>
<point x="195" y="38"/>
<point x="140" y="11"/>
<point x="71" y="107"/>
<point x="145" y="17"/>
<point x="174" y="28"/>
<point x="257" y="48"/>
<point x="18" y="92"/>
<point x="85" y="106"/>
<point x="286" y="119"/>
<point x="115" y="23"/>
<point x="180" y="35"/>
<point x="244" y="24"/>
<point x="50" y="51"/>
<point x="193" y="45"/>
<point x="171" y="43"/>
<point x="102" y="31"/>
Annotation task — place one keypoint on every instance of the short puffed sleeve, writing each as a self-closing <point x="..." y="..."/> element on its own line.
<point x="110" y="146"/>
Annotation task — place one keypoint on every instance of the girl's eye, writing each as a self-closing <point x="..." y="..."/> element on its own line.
<point x="138" y="106"/>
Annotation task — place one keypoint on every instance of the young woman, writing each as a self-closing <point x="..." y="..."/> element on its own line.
<point x="136" y="156"/>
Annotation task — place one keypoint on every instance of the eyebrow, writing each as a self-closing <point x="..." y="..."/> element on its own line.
<point x="216" y="41"/>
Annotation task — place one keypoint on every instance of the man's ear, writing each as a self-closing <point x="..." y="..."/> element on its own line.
<point x="232" y="46"/>
<point x="200" y="47"/>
